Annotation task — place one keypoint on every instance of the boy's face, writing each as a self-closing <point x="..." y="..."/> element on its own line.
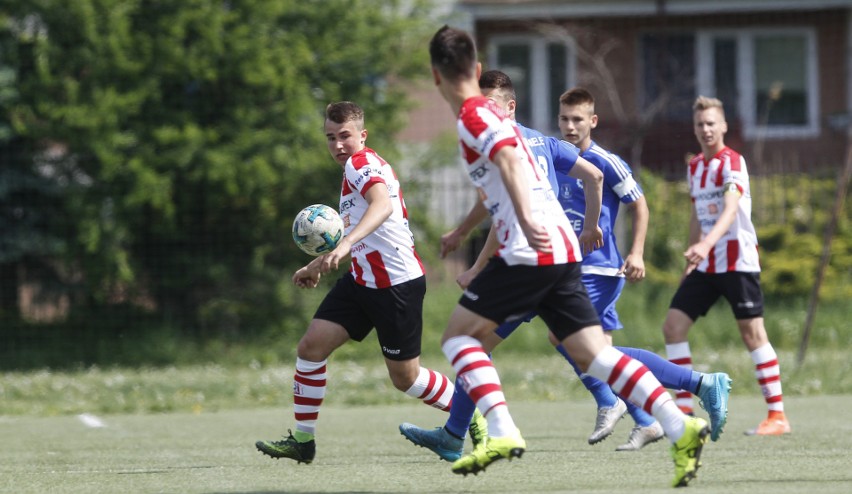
<point x="503" y="100"/>
<point x="710" y="127"/>
<point x="344" y="139"/>
<point x="576" y="123"/>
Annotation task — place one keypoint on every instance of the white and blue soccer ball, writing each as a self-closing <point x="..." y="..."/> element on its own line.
<point x="317" y="229"/>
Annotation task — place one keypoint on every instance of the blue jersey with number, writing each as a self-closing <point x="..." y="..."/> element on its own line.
<point x="619" y="187"/>
<point x="551" y="154"/>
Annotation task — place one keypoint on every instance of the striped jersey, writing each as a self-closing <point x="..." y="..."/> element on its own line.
<point x="483" y="130"/>
<point x="737" y="249"/>
<point x="619" y="186"/>
<point x="385" y="257"/>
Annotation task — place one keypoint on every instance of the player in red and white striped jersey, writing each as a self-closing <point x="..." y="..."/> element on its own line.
<point x="722" y="261"/>
<point x="384" y="288"/>
<point x="536" y="268"/>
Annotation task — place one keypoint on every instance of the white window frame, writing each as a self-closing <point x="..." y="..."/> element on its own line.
<point x="746" y="79"/>
<point x="543" y="113"/>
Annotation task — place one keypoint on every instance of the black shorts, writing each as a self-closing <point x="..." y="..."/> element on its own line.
<point x="396" y="313"/>
<point x="505" y="293"/>
<point x="699" y="291"/>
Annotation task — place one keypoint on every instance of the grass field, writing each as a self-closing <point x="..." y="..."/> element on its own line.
<point x="360" y="450"/>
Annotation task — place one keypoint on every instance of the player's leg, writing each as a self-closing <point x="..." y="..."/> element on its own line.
<point x="397" y="313"/>
<point x="768" y="374"/>
<point x="631" y="379"/>
<point x="713" y="389"/>
<point x="693" y="298"/>
<point x="448" y="441"/>
<point x="309" y="386"/>
<point x="744" y="294"/>
<point x="567" y="309"/>
<point x="499" y="293"/>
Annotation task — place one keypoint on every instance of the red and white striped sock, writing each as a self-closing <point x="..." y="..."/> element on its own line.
<point x="481" y="383"/>
<point x="309" y="384"/>
<point x="434" y="388"/>
<point x="679" y="354"/>
<point x="633" y="381"/>
<point x="768" y="374"/>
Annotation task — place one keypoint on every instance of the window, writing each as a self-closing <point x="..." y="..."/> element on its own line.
<point x="668" y="72"/>
<point x="541" y="70"/>
<point x="767" y="79"/>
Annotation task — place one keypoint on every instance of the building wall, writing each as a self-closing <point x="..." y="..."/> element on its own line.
<point x="663" y="146"/>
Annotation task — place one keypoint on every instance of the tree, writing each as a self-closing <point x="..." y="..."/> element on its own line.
<point x="182" y="137"/>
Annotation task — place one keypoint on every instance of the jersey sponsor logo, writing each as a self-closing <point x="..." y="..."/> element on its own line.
<point x="577" y="225"/>
<point x="703" y="196"/>
<point x="347" y="204"/>
<point x="364" y="176"/>
<point x="488" y="141"/>
<point x="358" y="247"/>
<point x="478" y="172"/>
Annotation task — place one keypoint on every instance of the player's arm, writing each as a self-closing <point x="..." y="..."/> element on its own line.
<point x="516" y="184"/>
<point x="634" y="263"/>
<point x="308" y="276"/>
<point x="378" y="210"/>
<point x="487" y="252"/>
<point x="591" y="237"/>
<point x="699" y="250"/>
<point x="451" y="240"/>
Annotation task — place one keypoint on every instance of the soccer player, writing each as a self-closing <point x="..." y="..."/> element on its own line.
<point x="722" y="261"/>
<point x="447" y="442"/>
<point x="536" y="268"/>
<point x="383" y="288"/>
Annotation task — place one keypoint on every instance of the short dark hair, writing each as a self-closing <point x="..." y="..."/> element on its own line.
<point x="344" y="111"/>
<point x="577" y="96"/>
<point x="453" y="53"/>
<point x="495" y="79"/>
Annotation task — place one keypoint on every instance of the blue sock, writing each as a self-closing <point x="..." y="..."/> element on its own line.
<point x="461" y="412"/>
<point x="670" y="375"/>
<point x="601" y="391"/>
<point x="641" y="417"/>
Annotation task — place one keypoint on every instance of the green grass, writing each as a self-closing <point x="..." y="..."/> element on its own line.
<point x="356" y="381"/>
<point x="360" y="450"/>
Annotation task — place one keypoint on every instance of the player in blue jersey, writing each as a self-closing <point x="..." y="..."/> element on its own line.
<point x="604" y="270"/>
<point x="553" y="154"/>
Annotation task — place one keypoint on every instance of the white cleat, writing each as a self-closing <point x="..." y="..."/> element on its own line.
<point x="607" y="418"/>
<point x="640" y="436"/>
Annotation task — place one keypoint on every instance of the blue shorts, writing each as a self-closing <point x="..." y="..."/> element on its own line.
<point x="604" y="292"/>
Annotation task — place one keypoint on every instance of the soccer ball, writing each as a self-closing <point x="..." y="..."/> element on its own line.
<point x="317" y="229"/>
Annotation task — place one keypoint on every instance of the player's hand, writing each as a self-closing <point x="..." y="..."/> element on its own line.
<point x="591" y="239"/>
<point x="332" y="259"/>
<point x="690" y="267"/>
<point x="537" y="237"/>
<point x="450" y="241"/>
<point x="697" y="252"/>
<point x="633" y="268"/>
<point x="306" y="277"/>
<point x="464" y="280"/>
